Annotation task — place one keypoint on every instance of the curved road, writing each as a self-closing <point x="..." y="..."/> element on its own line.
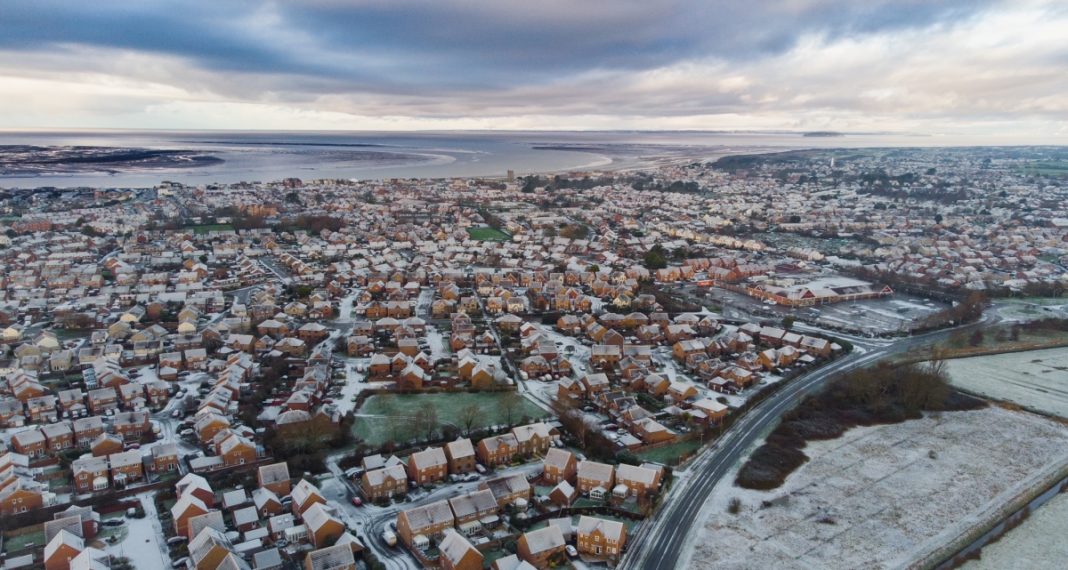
<point x="660" y="544"/>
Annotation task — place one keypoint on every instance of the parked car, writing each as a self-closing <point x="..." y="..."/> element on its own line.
<point x="571" y="551"/>
<point x="357" y="502"/>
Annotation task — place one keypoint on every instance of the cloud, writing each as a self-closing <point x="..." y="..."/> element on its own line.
<point x="881" y="64"/>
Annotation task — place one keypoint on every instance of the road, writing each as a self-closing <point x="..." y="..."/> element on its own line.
<point x="660" y="544"/>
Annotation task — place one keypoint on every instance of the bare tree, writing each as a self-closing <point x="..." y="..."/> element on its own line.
<point x="469" y="417"/>
<point x="509" y="404"/>
<point x="427" y="419"/>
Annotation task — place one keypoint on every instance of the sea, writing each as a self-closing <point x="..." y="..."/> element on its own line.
<point x="244" y="156"/>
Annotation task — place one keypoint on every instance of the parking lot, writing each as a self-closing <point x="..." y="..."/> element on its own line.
<point x="889" y="315"/>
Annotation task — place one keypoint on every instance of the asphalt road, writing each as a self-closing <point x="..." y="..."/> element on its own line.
<point x="661" y="543"/>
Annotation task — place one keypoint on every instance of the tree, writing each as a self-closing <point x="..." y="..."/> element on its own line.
<point x="469" y="417"/>
<point x="509" y="405"/>
<point x="594" y="268"/>
<point x="788" y="322"/>
<point x="427" y="419"/>
<point x="655" y="258"/>
<point x="938" y="218"/>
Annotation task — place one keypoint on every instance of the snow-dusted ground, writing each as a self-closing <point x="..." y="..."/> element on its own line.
<point x="884" y="501"/>
<point x="1036" y="379"/>
<point x="1037" y="543"/>
<point x="355" y="382"/>
<point x="143" y="543"/>
<point x="436" y="341"/>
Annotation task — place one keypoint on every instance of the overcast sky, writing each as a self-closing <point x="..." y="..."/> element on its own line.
<point x="922" y="66"/>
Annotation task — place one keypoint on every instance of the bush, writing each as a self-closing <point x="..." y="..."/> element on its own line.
<point x="734" y="506"/>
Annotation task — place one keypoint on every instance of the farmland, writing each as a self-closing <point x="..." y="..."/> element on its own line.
<point x="1036" y="379"/>
<point x="1037" y="543"/>
<point x="488" y="234"/>
<point x="883" y="496"/>
<point x="384" y="416"/>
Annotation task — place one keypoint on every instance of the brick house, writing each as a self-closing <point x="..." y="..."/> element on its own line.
<point x="428" y="466"/>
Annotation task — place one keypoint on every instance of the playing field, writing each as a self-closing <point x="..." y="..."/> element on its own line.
<point x="488" y="234"/>
<point x="393" y="416"/>
<point x="205" y="228"/>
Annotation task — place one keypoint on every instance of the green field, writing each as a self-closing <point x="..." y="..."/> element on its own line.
<point x="205" y="228"/>
<point x="669" y="454"/>
<point x="488" y="234"/>
<point x="392" y="416"/>
<point x="1050" y="168"/>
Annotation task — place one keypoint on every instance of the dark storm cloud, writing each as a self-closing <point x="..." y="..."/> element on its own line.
<point x="398" y="45"/>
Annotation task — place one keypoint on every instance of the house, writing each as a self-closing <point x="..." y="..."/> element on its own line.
<point x="428" y="466"/>
<point x="473" y="510"/>
<point x="559" y="465"/>
<point x="461" y="456"/>
<point x="165" y="458"/>
<point x="638" y="480"/>
<point x="508" y="489"/>
<point x="384" y="482"/>
<point x="187" y="507"/>
<point x="563" y="494"/>
<point x="336" y="557"/>
<point x="323" y="525"/>
<point x="416" y="526"/>
<point x="59" y="436"/>
<point x="457" y="553"/>
<point x="31" y="443"/>
<point x="541" y="547"/>
<point x="497" y="450"/>
<point x="532" y="439"/>
<point x="595" y="478"/>
<point x="131" y="426"/>
<point x="86" y="430"/>
<point x="126" y="467"/>
<point x="21" y="494"/>
<point x="511" y="562"/>
<point x="106" y="444"/>
<point x="304" y="496"/>
<point x="275" y="477"/>
<point x="208" y="549"/>
<point x="62" y="549"/>
<point x="90" y="474"/>
<point x="196" y="486"/>
<point x="600" y="538"/>
<point x="267" y="503"/>
<point x="236" y="450"/>
<point x="714" y="411"/>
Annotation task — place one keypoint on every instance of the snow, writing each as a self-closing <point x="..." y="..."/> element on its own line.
<point x="1034" y="379"/>
<point x="1037" y="543"/>
<point x="889" y="500"/>
<point x="143" y="543"/>
<point x="436" y="341"/>
<point x="354" y="384"/>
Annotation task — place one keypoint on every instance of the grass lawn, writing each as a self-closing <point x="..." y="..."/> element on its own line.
<point x="669" y="454"/>
<point x="488" y="234"/>
<point x="15" y="542"/>
<point x="205" y="228"/>
<point x="379" y="428"/>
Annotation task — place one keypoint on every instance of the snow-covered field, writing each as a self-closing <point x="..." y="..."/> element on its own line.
<point x="1037" y="543"/>
<point x="878" y="497"/>
<point x="1036" y="379"/>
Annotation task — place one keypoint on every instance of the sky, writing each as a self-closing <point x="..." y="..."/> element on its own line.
<point x="979" y="67"/>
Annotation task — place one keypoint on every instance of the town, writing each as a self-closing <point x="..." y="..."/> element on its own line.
<point x="461" y="373"/>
